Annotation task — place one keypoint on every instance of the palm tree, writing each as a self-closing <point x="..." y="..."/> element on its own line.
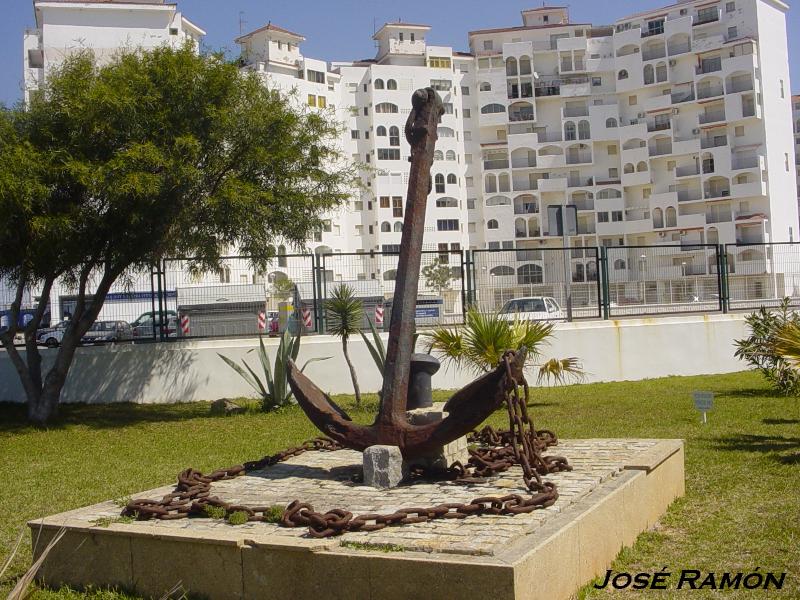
<point x="480" y="343"/>
<point x="345" y="316"/>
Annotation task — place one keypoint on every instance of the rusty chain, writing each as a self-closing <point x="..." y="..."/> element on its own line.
<point x="497" y="452"/>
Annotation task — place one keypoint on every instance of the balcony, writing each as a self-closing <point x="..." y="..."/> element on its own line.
<point x="682" y="48"/>
<point x="749" y="189"/>
<point x="651" y="31"/>
<point x="737" y="86"/>
<point x="703" y="17"/>
<point x="654" y="54"/>
<point x="710" y="91"/>
<point x="585" y="204"/>
<point x="575" y="111"/>
<point x="553" y="184"/>
<point x="745" y="162"/>
<point x="711" y="117"/>
<point x="659" y="126"/>
<point x="714" y="142"/>
<point x="526" y="208"/>
<point x="660" y="149"/>
<point x="579" y="158"/>
<point x="550" y="136"/>
<point x="682" y="96"/>
<point x="718" y="217"/>
<point x="690" y="171"/>
<point x="491" y="165"/>
<point x="716" y="193"/>
<point x="688" y="195"/>
<point x="709" y="66"/>
<point x="580" y="181"/>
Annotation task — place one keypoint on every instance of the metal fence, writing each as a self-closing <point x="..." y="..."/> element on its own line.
<point x="570" y="276"/>
<point x="174" y="300"/>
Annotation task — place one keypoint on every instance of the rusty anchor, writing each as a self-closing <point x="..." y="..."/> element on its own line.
<point x="468" y="407"/>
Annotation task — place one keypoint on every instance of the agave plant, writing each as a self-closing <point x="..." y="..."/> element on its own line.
<point x="480" y="343"/>
<point x="345" y="315"/>
<point x="376" y="347"/>
<point x="274" y="389"/>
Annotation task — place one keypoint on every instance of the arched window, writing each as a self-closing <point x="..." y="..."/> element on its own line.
<point x="282" y="256"/>
<point x="485" y="86"/>
<point x="381" y="131"/>
<point x="607" y="193"/>
<point x="623" y="74"/>
<point x="641" y="166"/>
<point x="611" y="122"/>
<point x="578" y="274"/>
<point x="520" y="229"/>
<point x="386" y="227"/>
<point x="628" y="168"/>
<point x="451" y="155"/>
<point x="439" y="179"/>
<point x="649" y="74"/>
<point x="492" y="224"/>
<point x="504" y="182"/>
<point x="498" y="201"/>
<point x="379" y="84"/>
<point x="451" y="179"/>
<point x="398" y="226"/>
<point x="569" y="131"/>
<point x="386" y="107"/>
<point x="490" y="184"/>
<point x="511" y="66"/>
<point x="658" y="218"/>
<point x="671" y="217"/>
<point x="501" y="271"/>
<point x="394" y="136"/>
<point x="583" y="130"/>
<point x="390" y="275"/>
<point x="529" y="274"/>
<point x="524" y="65"/>
<point x="438" y="155"/>
<point x="619" y="264"/>
<point x="445" y="132"/>
<point x="490" y="109"/>
<point x="391" y="84"/>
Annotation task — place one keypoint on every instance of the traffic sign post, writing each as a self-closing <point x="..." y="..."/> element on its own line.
<point x="704" y="402"/>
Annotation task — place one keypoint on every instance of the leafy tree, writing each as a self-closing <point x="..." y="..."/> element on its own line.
<point x="770" y="347"/>
<point x="437" y="275"/>
<point x="480" y="343"/>
<point x="345" y="315"/>
<point x="157" y="153"/>
<point x="282" y="288"/>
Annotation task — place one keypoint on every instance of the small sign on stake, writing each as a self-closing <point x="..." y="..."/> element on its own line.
<point x="704" y="402"/>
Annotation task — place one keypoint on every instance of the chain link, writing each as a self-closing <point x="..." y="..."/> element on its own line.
<point x="497" y="452"/>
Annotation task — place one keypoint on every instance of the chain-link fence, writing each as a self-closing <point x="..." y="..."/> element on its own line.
<point x="540" y="283"/>
<point x="666" y="279"/>
<point x="372" y="275"/>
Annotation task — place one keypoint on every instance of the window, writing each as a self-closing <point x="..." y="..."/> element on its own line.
<point x="492" y="109"/>
<point x="493" y="245"/>
<point x="469" y="181"/>
<point x="322" y="102"/>
<point x="446" y="132"/>
<point x="378" y="84"/>
<point x="312" y="100"/>
<point x="401" y="36"/>
<point x="597" y="81"/>
<point x="394" y="136"/>
<point x="739" y="131"/>
<point x="448" y="108"/>
<point x="439" y="62"/>
<point x="388" y="154"/>
<point x="386" y="227"/>
<point x="441" y="85"/>
<point x="451" y="155"/>
<point x="730" y="7"/>
<point x="438" y="155"/>
<point x="786" y="161"/>
<point x="391" y="84"/>
<point x="616" y="215"/>
<point x="468" y="159"/>
<point x="465" y="90"/>
<point x="485" y="86"/>
<point x="446" y="203"/>
<point x="386" y="107"/>
<point x="412" y="36"/>
<point x="315" y="76"/>
<point x="623" y="74"/>
<point x="390" y="249"/>
<point x="733" y="33"/>
<point x="488" y="44"/>
<point x="471" y="203"/>
<point x="632" y="100"/>
<point x="397" y="206"/>
<point x="173" y="31"/>
<point x="366" y="110"/>
<point x="471" y="228"/>
<point x="451" y="179"/>
<point x="439" y="180"/>
<point x="381" y="131"/>
<point x="467" y="136"/>
<point x="447" y="225"/>
<point x="611" y="122"/>
<point x="602" y="217"/>
<point x="492" y="224"/>
<point x="612" y="150"/>
<point x="783" y="94"/>
<point x="384" y="202"/>
<point x="670" y="165"/>
<point x="467" y="113"/>
<point x="354" y="134"/>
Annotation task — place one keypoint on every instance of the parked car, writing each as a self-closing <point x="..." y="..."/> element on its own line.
<point x="108" y="331"/>
<point x="144" y="326"/>
<point x="534" y="308"/>
<point x="52" y="336"/>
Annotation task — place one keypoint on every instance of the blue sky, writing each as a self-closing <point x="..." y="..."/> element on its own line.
<point x="342" y="29"/>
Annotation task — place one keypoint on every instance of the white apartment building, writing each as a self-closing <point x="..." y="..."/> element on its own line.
<point x="665" y="129"/>
<point x="796" y="125"/>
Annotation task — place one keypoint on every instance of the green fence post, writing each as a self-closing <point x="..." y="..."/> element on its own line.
<point x="604" y="289"/>
<point x="722" y="267"/>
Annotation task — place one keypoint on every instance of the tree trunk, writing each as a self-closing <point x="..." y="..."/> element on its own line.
<point x="352" y="373"/>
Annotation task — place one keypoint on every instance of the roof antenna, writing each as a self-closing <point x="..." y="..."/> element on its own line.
<point x="242" y="22"/>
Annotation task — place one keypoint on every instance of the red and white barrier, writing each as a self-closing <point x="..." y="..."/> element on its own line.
<point x="379" y="315"/>
<point x="185" y="327"/>
<point x="306" y="313"/>
<point x="262" y="321"/>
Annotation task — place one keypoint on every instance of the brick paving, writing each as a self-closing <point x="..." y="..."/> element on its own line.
<point x="324" y="479"/>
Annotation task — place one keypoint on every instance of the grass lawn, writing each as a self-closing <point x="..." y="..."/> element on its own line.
<point x="741" y="509"/>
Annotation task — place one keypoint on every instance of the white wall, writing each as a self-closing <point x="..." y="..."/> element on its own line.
<point x="190" y="371"/>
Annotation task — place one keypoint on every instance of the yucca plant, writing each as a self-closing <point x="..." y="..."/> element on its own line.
<point x="274" y="390"/>
<point x="480" y="343"/>
<point x="376" y="347"/>
<point x="345" y="315"/>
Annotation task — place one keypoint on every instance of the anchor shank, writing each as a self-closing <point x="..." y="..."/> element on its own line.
<point x="421" y="135"/>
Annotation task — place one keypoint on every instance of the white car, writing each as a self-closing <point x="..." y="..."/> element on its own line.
<point x="52" y="336"/>
<point x="533" y="308"/>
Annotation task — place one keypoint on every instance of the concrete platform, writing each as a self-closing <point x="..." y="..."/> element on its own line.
<point x="618" y="488"/>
